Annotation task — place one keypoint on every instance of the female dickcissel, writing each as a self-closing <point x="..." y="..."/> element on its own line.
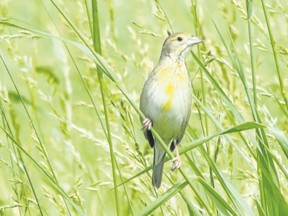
<point x="166" y="100"/>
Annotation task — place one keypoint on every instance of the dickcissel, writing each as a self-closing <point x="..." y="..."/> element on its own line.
<point x="166" y="100"/>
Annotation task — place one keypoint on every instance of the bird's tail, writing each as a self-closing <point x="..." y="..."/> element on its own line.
<point x="158" y="164"/>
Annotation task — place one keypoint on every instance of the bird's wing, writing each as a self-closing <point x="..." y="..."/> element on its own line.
<point x="149" y="137"/>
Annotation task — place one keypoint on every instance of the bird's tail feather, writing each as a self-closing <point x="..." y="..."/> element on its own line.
<point x="158" y="164"/>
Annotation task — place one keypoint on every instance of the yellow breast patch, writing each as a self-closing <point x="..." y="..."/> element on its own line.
<point x="169" y="91"/>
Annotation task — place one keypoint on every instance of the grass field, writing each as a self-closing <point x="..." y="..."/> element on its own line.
<point x="71" y="76"/>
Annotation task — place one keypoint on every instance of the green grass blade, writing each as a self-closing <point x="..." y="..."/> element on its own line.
<point x="275" y="55"/>
<point x="282" y="140"/>
<point x="243" y="127"/>
<point x="19" y="161"/>
<point x="221" y="204"/>
<point x="162" y="199"/>
<point x="269" y="184"/>
<point x="238" y="202"/>
<point x="47" y="175"/>
<point x="97" y="47"/>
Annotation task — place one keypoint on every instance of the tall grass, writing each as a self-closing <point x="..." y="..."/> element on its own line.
<point x="71" y="139"/>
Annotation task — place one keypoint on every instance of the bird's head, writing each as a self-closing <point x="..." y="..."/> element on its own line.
<point x="179" y="44"/>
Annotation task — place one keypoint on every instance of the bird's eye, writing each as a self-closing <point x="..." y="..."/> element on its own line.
<point x="179" y="38"/>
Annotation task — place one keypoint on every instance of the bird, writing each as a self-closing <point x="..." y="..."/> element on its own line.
<point x="166" y="100"/>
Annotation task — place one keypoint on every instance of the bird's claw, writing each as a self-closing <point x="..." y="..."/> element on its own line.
<point x="147" y="124"/>
<point x="176" y="163"/>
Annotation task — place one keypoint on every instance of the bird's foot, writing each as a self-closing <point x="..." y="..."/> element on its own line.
<point x="176" y="162"/>
<point x="147" y="124"/>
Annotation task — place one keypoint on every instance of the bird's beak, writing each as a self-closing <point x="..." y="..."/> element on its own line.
<point x="194" y="40"/>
